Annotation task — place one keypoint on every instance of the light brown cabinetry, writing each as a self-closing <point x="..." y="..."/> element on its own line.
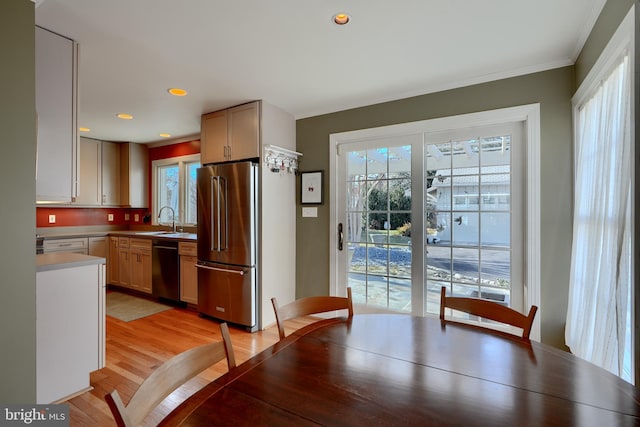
<point x="134" y="163"/>
<point x="132" y="266"/>
<point x="98" y="247"/>
<point x="113" y="263"/>
<point x="124" y="270"/>
<point x="140" y="254"/>
<point x="231" y="134"/>
<point x="188" y="272"/>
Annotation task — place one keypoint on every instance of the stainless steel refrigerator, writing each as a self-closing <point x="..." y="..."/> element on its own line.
<point x="227" y="248"/>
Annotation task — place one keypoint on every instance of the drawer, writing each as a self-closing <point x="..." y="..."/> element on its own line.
<point x="140" y="243"/>
<point x="123" y="242"/>
<point x="186" y="248"/>
<point x="65" y="245"/>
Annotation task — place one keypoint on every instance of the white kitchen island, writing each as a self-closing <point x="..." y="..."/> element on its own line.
<point x="70" y="317"/>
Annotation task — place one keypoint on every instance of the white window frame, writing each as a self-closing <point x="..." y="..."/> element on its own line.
<point x="181" y="162"/>
<point x="530" y="115"/>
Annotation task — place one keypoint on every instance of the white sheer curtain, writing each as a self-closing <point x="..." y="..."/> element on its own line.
<point x="598" y="317"/>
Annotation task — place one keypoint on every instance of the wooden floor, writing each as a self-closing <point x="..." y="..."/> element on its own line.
<point x="135" y="349"/>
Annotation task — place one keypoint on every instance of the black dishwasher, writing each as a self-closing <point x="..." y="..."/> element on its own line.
<point x="165" y="276"/>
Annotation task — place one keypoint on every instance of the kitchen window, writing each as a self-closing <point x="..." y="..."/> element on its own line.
<point x="174" y="185"/>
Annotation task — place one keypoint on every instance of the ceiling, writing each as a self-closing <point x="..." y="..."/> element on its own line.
<point x="291" y="54"/>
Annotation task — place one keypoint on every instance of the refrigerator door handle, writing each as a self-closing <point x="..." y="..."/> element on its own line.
<point x="206" y="267"/>
<point x="223" y="229"/>
<point x="213" y="188"/>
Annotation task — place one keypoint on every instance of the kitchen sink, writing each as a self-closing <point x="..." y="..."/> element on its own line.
<point x="153" y="233"/>
<point x="177" y="234"/>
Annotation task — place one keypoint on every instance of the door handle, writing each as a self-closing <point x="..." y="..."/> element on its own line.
<point x="225" y="270"/>
<point x="340" y="237"/>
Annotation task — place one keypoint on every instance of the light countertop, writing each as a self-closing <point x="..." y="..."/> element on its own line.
<point x="62" y="260"/>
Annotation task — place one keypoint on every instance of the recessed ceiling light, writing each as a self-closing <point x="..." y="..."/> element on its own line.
<point x="341" y="18"/>
<point x="177" y="91"/>
<point x="84" y="129"/>
<point x="165" y="135"/>
<point x="124" y="116"/>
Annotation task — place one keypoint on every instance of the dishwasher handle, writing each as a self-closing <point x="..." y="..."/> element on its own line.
<point x="165" y="247"/>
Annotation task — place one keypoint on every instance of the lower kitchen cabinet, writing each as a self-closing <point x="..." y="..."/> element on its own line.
<point x="70" y="334"/>
<point x="113" y="276"/>
<point x="124" y="270"/>
<point x="188" y="272"/>
<point x="140" y="253"/>
<point x="131" y="267"/>
<point x="98" y="246"/>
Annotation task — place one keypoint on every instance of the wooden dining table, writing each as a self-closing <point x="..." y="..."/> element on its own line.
<point x="401" y="370"/>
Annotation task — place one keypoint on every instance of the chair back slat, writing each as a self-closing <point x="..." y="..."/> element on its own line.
<point x="168" y="377"/>
<point x="310" y="305"/>
<point x="488" y="310"/>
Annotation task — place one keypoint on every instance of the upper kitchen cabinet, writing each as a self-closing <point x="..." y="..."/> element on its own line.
<point x="134" y="163"/>
<point x="99" y="183"/>
<point x="56" y="106"/>
<point x="231" y="134"/>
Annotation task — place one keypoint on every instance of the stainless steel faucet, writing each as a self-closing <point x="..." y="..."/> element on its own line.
<point x="173" y="216"/>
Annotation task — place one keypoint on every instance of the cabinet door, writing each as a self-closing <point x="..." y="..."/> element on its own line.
<point x="188" y="279"/>
<point x="98" y="246"/>
<point x="89" y="184"/>
<point x="110" y="173"/>
<point x="244" y="131"/>
<point x="56" y="148"/>
<point x="213" y="138"/>
<point x="145" y="261"/>
<point x="141" y="270"/>
<point x="113" y="262"/>
<point x="124" y="267"/>
<point x="134" y="168"/>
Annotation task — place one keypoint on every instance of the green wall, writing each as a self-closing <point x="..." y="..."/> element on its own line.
<point x="17" y="211"/>
<point x="610" y="18"/>
<point x="552" y="89"/>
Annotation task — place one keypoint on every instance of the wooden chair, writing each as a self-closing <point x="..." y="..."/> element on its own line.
<point x="310" y="305"/>
<point x="490" y="310"/>
<point x="168" y="377"/>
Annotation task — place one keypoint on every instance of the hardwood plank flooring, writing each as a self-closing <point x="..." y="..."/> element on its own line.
<point x="135" y="349"/>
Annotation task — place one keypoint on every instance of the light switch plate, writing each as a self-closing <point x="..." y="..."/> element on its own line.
<point x="309" y="212"/>
<point x="126" y="217"/>
<point x="52" y="219"/>
<point x="136" y="217"/>
<point x="110" y="217"/>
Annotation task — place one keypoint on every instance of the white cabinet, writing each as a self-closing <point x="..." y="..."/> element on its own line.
<point x="90" y="178"/>
<point x="110" y="173"/>
<point x="99" y="182"/>
<point x="56" y="100"/>
<point x="231" y="134"/>
<point x="69" y="330"/>
<point x="78" y="245"/>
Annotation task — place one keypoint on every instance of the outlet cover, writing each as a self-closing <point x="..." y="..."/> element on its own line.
<point x="110" y="217"/>
<point x="52" y="219"/>
<point x="126" y="217"/>
<point x="136" y="217"/>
